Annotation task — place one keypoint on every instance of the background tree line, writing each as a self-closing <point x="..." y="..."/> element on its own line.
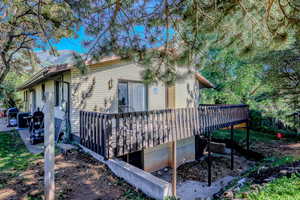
<point x="249" y="49"/>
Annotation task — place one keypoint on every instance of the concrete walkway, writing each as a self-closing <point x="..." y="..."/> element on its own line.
<point x="3" y="125"/>
<point x="190" y="190"/>
<point x="35" y="149"/>
<point x="24" y="133"/>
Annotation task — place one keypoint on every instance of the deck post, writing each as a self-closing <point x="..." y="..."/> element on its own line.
<point x="248" y="138"/>
<point x="209" y="159"/>
<point x="174" y="175"/>
<point x="231" y="144"/>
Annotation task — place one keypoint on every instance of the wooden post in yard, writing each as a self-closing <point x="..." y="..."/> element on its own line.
<point x="174" y="175"/>
<point x="209" y="159"/>
<point x="247" y="139"/>
<point x="231" y="144"/>
<point x="49" y="154"/>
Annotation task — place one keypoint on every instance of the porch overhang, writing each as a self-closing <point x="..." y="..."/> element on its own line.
<point x="43" y="75"/>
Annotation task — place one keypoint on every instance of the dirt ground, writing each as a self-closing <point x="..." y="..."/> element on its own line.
<point x="197" y="170"/>
<point x="277" y="148"/>
<point x="79" y="177"/>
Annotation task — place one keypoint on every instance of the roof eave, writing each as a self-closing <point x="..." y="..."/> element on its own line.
<point x="206" y="83"/>
<point x="39" y="79"/>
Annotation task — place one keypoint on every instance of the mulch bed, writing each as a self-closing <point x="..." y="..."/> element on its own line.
<point x="197" y="170"/>
<point x="79" y="177"/>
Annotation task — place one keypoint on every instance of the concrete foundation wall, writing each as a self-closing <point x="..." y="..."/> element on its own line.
<point x="161" y="156"/>
<point x="144" y="181"/>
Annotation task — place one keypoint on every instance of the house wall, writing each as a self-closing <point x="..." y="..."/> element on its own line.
<point x="186" y="95"/>
<point x="91" y="92"/>
<point x="186" y="89"/>
<point x="49" y="87"/>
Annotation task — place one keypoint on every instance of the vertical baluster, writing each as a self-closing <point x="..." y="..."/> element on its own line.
<point x="88" y="131"/>
<point x="168" y="128"/>
<point x="159" y="132"/>
<point x="98" y="133"/>
<point x="206" y="115"/>
<point x="201" y="120"/>
<point x="117" y="133"/>
<point x="101" y="134"/>
<point x="187" y="117"/>
<point x="153" y="128"/>
<point x="177" y="125"/>
<point x="136" y="131"/>
<point x="192" y="122"/>
<point x="143" y="130"/>
<point x="188" y="122"/>
<point x="91" y="130"/>
<point x="105" y="137"/>
<point x="184" y="125"/>
<point x="195" y="121"/>
<point x="80" y="126"/>
<point x="130" y="130"/>
<point x="95" y="131"/>
<point x="181" y="126"/>
<point x="163" y="115"/>
<point x="148" y="129"/>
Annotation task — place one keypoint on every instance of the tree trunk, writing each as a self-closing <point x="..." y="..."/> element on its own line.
<point x="6" y="67"/>
<point x="3" y="74"/>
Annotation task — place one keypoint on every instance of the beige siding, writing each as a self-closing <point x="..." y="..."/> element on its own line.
<point x="186" y="90"/>
<point x="157" y="96"/>
<point x="91" y="92"/>
<point x="49" y="87"/>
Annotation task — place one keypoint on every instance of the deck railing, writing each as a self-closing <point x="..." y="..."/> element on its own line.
<point x="114" y="135"/>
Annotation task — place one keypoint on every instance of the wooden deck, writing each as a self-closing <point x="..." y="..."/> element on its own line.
<point x="114" y="135"/>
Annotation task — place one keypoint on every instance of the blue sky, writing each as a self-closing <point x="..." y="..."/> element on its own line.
<point x="74" y="44"/>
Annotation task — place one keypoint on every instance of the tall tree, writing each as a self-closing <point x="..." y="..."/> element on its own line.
<point x="28" y="25"/>
<point x="132" y="28"/>
<point x="282" y="71"/>
<point x="8" y="95"/>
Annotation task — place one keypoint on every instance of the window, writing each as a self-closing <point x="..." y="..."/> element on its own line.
<point x="26" y="105"/>
<point x="25" y="95"/>
<point x="57" y="93"/>
<point x="33" y="97"/>
<point x="132" y="96"/>
<point x="43" y="94"/>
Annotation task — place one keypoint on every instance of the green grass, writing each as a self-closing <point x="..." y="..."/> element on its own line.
<point x="268" y="162"/>
<point x="280" y="189"/>
<point x="272" y="162"/>
<point x="240" y="135"/>
<point x="133" y="195"/>
<point x="14" y="157"/>
<point x="280" y="161"/>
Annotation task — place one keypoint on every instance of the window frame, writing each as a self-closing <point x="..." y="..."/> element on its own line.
<point x="133" y="81"/>
<point x="57" y="92"/>
<point x="43" y="92"/>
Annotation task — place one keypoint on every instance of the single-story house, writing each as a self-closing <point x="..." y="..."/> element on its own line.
<point x="114" y="85"/>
